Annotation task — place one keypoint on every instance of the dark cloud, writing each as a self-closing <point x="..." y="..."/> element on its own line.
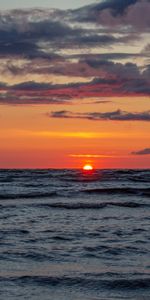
<point x="3" y="85"/>
<point x="142" y="152"/>
<point x="112" y="80"/>
<point x="117" y="13"/>
<point x="34" y="93"/>
<point x="31" y="86"/>
<point x="19" y="49"/>
<point x="25" y="42"/>
<point x="101" y="40"/>
<point x="110" y="56"/>
<point x="38" y="42"/>
<point x="31" y="26"/>
<point x="117" y="115"/>
<point x="39" y="37"/>
<point x="33" y="33"/>
<point x="61" y="114"/>
<point x="117" y="7"/>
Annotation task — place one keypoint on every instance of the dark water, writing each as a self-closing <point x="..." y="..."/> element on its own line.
<point x="74" y="235"/>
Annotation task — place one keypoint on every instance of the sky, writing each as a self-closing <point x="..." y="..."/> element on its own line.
<point x="63" y="4"/>
<point x="75" y="84"/>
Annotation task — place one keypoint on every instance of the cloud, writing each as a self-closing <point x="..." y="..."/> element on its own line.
<point x="83" y="45"/>
<point x="145" y="151"/>
<point x="104" y="77"/>
<point x="117" y="13"/>
<point x="41" y="39"/>
<point x="109" y="80"/>
<point x="38" y="33"/>
<point x="26" y="41"/>
<point x="112" y="55"/>
<point x="3" y="85"/>
<point x="117" y="115"/>
<point x="31" y="86"/>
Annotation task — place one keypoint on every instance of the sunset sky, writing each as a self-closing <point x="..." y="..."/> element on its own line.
<point x="75" y="83"/>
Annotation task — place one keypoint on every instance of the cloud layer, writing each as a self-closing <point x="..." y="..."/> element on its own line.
<point x="98" y="46"/>
<point x="117" y="13"/>
<point x="145" y="151"/>
<point x="117" y="115"/>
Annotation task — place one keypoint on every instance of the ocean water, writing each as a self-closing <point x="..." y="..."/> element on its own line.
<point x="74" y="235"/>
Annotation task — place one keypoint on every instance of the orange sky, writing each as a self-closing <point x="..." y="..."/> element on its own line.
<point x="30" y="139"/>
<point x="74" y="87"/>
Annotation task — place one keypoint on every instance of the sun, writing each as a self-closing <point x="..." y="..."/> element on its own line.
<point x="87" y="167"/>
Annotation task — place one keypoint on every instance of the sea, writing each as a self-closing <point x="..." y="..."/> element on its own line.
<point x="74" y="234"/>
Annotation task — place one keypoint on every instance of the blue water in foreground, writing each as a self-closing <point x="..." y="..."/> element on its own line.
<point x="74" y="235"/>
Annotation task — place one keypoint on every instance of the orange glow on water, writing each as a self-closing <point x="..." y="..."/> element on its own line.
<point x="88" y="167"/>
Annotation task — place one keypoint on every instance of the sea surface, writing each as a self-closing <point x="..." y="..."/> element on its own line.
<point x="74" y="235"/>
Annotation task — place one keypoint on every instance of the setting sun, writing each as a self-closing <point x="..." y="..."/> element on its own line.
<point x="87" y="167"/>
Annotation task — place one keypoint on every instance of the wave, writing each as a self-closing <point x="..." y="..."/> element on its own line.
<point x="121" y="190"/>
<point x="29" y="195"/>
<point x="105" y="175"/>
<point x="74" y="175"/>
<point x="81" y="205"/>
<point x="82" y="281"/>
<point x="64" y="192"/>
<point x="8" y="255"/>
<point x="108" y="251"/>
<point x="15" y="231"/>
